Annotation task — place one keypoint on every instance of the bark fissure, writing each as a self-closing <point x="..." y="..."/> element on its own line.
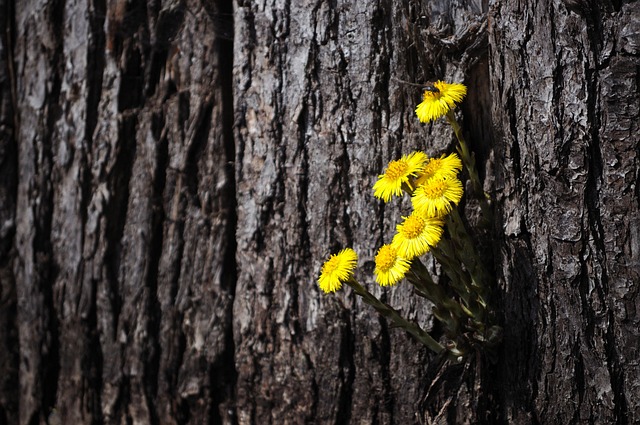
<point x="597" y="232"/>
<point x="152" y="366"/>
<point x="229" y="374"/>
<point x="9" y="338"/>
<point x="115" y="217"/>
<point x="95" y="66"/>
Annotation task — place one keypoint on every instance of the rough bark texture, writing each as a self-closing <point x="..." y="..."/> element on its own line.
<point x="173" y="174"/>
<point x="566" y="107"/>
<point x="125" y="212"/>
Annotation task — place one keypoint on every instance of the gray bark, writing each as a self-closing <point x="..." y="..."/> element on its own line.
<point x="566" y="91"/>
<point x="173" y="174"/>
<point x="124" y="239"/>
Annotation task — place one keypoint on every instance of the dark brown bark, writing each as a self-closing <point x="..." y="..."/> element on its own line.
<point x="124" y="244"/>
<point x="8" y="183"/>
<point x="170" y="185"/>
<point x="566" y="91"/>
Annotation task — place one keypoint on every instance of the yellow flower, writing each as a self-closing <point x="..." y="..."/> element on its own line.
<point x="435" y="196"/>
<point x="440" y="99"/>
<point x="389" y="267"/>
<point x="416" y="234"/>
<point x="398" y="172"/>
<point x="447" y="166"/>
<point x="337" y="269"/>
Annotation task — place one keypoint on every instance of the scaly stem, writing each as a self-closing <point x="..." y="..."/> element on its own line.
<point x="467" y="157"/>
<point x="422" y="281"/>
<point x="466" y="252"/>
<point x="447" y="310"/>
<point x="459" y="280"/>
<point x="469" y="161"/>
<point x="387" y="311"/>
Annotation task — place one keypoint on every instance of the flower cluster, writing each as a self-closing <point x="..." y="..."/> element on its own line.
<point x="435" y="190"/>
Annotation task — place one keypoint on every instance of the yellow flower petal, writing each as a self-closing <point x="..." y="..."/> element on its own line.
<point x="416" y="235"/>
<point x="441" y="99"/>
<point x="435" y="196"/>
<point x="397" y="173"/>
<point x="390" y="268"/>
<point x="447" y="166"/>
<point x="337" y="269"/>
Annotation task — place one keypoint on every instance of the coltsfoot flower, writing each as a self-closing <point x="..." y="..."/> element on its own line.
<point x="397" y="173"/>
<point x="436" y="196"/>
<point x="447" y="166"/>
<point x="439" y="99"/>
<point x="416" y="235"/>
<point x="337" y="269"/>
<point x="390" y="268"/>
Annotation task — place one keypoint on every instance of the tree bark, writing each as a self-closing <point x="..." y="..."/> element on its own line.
<point x="124" y="240"/>
<point x="566" y="108"/>
<point x="174" y="173"/>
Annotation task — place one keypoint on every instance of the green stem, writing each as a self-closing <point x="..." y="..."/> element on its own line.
<point x="387" y="311"/>
<point x="469" y="160"/>
<point x="420" y="278"/>
<point x="467" y="254"/>
<point x="459" y="280"/>
<point x="422" y="281"/>
<point x="467" y="157"/>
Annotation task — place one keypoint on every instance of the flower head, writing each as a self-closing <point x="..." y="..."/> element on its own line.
<point x="397" y="173"/>
<point x="390" y="268"/>
<point x="440" y="99"/>
<point x="416" y="234"/>
<point x="447" y="166"/>
<point x="435" y="196"/>
<point x="337" y="269"/>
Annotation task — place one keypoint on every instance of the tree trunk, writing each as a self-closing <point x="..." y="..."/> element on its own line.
<point x="173" y="174"/>
<point x="566" y="116"/>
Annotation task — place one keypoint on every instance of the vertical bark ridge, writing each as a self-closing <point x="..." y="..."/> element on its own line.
<point x="618" y="144"/>
<point x="199" y="312"/>
<point x="77" y="397"/>
<point x="38" y="111"/>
